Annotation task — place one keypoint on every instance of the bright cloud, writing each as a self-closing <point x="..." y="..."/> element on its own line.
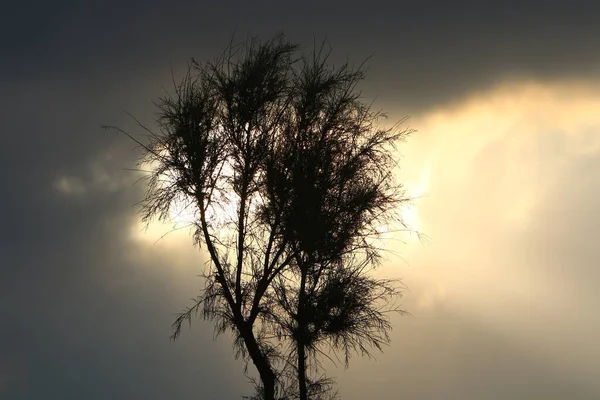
<point x="511" y="180"/>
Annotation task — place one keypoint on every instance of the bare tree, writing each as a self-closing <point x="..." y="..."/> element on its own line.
<point x="290" y="180"/>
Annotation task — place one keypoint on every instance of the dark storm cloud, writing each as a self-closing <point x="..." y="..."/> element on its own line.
<point x="424" y="52"/>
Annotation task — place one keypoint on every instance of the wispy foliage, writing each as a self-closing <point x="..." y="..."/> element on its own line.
<point x="291" y="180"/>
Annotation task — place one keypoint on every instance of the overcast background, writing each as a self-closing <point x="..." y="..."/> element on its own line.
<point x="506" y="100"/>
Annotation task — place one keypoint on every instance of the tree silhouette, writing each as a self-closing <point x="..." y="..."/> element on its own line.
<point x="290" y="179"/>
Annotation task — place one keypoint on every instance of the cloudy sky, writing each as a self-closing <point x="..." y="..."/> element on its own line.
<point x="506" y="164"/>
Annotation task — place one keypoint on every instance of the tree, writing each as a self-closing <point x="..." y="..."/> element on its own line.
<point x="290" y="180"/>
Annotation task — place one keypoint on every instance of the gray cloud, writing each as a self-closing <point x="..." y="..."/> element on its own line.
<point x="441" y="353"/>
<point x="86" y="306"/>
<point x="424" y="53"/>
<point x="503" y="294"/>
<point x="88" y="310"/>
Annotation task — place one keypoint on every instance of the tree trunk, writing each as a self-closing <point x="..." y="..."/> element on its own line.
<point x="301" y="340"/>
<point x="267" y="376"/>
<point x="302" y="372"/>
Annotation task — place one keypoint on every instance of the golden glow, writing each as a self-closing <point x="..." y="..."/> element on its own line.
<point x="183" y="218"/>
<point x="487" y="166"/>
<point x="410" y="211"/>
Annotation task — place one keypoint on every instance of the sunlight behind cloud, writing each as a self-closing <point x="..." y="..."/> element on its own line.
<point x="490" y="167"/>
<point x="416" y="191"/>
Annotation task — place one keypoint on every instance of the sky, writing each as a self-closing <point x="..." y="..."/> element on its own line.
<point x="504" y="166"/>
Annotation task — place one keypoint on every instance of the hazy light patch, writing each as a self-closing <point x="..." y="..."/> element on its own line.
<point x="184" y="214"/>
<point x="509" y="180"/>
<point x="163" y="234"/>
<point x="416" y="188"/>
<point x="69" y="185"/>
<point x="506" y="140"/>
<point x="100" y="174"/>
